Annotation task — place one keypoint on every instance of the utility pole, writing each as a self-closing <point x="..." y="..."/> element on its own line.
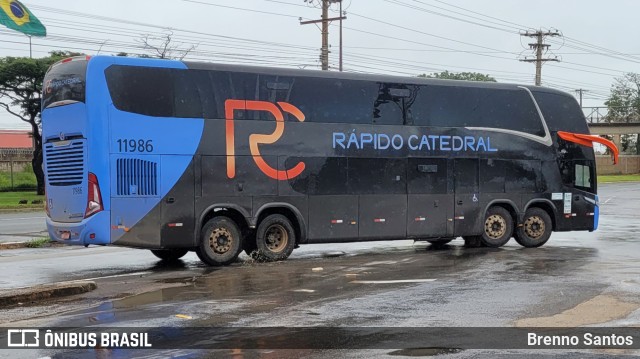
<point x="540" y="48"/>
<point x="341" y="14"/>
<point x="580" y="91"/>
<point x="325" y="20"/>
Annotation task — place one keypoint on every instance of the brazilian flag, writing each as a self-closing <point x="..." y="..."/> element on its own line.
<point x="16" y="16"/>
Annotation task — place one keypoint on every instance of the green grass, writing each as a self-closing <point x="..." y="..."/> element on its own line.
<point x="619" y="178"/>
<point x="38" y="242"/>
<point x="10" y="200"/>
<point x="21" y="180"/>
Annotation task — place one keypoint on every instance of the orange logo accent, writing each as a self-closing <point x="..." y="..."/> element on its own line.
<point x="260" y="139"/>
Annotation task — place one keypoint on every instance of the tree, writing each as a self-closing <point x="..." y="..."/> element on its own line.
<point x="465" y="76"/>
<point x="164" y="47"/>
<point x="20" y="95"/>
<point x="623" y="105"/>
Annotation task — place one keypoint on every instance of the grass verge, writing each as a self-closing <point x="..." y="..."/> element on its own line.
<point x="38" y="242"/>
<point x="619" y="178"/>
<point x="11" y="200"/>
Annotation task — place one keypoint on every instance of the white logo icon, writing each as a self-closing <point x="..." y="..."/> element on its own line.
<point x="475" y="198"/>
<point x="23" y="338"/>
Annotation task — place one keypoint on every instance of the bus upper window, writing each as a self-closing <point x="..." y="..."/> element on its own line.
<point x="65" y="82"/>
<point x="561" y="112"/>
<point x="334" y="100"/>
<point x="456" y="106"/>
<point x="389" y="107"/>
<point x="151" y="91"/>
<point x="143" y="90"/>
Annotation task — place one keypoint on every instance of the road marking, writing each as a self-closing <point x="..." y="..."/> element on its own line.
<point x="392" y="281"/>
<point x="607" y="201"/>
<point x="304" y="290"/>
<point x="379" y="262"/>
<point x="120" y="275"/>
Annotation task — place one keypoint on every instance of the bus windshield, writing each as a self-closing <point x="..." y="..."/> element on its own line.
<point x="65" y="82"/>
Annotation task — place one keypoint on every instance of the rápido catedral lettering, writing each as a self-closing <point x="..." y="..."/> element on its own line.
<point x="424" y="142"/>
<point x="588" y="339"/>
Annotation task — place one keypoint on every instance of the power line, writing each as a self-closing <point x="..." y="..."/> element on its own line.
<point x="263" y="43"/>
<point x="397" y="2"/>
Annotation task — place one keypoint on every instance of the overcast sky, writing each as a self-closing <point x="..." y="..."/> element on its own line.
<point x="397" y="37"/>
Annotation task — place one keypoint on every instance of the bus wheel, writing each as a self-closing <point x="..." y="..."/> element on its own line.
<point x="169" y="255"/>
<point x="221" y="242"/>
<point x="275" y="239"/>
<point x="498" y="227"/>
<point x="535" y="230"/>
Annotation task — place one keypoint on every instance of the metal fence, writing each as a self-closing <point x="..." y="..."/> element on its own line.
<point x="17" y="176"/>
<point x="601" y="115"/>
<point x="16" y="172"/>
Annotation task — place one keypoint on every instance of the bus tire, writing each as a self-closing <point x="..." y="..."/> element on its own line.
<point x="536" y="228"/>
<point x="220" y="242"/>
<point x="275" y="239"/>
<point x="169" y="255"/>
<point x="497" y="228"/>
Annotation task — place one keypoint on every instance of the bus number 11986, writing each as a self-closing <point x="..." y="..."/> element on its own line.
<point x="131" y="145"/>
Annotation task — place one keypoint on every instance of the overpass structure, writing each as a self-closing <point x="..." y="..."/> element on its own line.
<point x="600" y="123"/>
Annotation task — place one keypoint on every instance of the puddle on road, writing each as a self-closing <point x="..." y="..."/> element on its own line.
<point x="424" y="352"/>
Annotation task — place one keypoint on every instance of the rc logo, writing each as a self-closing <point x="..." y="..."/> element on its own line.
<point x="23" y="338"/>
<point x="257" y="139"/>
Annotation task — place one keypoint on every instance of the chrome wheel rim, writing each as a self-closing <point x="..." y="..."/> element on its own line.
<point x="276" y="238"/>
<point x="220" y="240"/>
<point x="495" y="226"/>
<point x="534" y="227"/>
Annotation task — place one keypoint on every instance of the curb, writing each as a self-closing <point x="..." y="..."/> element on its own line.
<point x="46" y="291"/>
<point x="25" y="244"/>
<point x="21" y="210"/>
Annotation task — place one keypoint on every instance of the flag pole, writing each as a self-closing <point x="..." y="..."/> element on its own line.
<point x="30" y="54"/>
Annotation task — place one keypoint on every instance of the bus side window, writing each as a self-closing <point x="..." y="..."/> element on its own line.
<point x="333" y="100"/>
<point x="142" y="90"/>
<point x="578" y="174"/>
<point x="388" y="109"/>
<point x="212" y="106"/>
<point x="187" y="102"/>
<point x="457" y="106"/>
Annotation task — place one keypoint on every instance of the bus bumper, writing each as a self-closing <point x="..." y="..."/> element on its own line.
<point x="92" y="230"/>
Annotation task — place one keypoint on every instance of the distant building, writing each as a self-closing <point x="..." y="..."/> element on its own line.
<point x="15" y="139"/>
<point x="16" y="145"/>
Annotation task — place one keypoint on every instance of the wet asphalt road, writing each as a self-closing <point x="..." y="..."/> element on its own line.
<point x="22" y="226"/>
<point x="577" y="279"/>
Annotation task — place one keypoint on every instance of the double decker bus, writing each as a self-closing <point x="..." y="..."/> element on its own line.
<point x="177" y="156"/>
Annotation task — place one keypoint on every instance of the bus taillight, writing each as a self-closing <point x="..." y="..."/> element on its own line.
<point x="94" y="200"/>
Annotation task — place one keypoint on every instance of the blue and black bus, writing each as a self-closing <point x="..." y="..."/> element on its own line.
<point x="177" y="156"/>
